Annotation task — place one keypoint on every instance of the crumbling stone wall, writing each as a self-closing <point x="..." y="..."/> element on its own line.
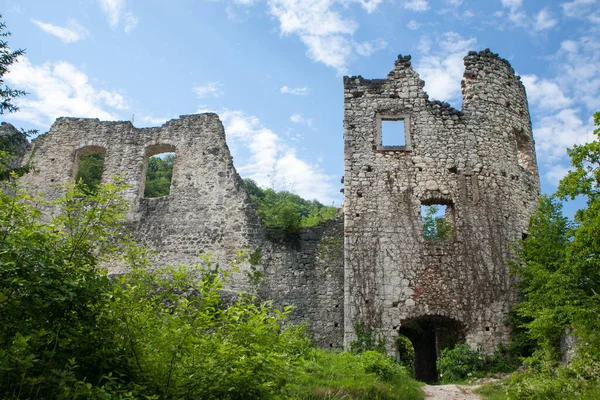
<point x="373" y="264"/>
<point x="208" y="211"/>
<point x="478" y="161"/>
<point x="306" y="270"/>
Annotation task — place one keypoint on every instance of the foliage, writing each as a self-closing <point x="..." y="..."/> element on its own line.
<point x="7" y="58"/>
<point x="366" y="339"/>
<point x="181" y="341"/>
<point x="285" y="211"/>
<point x="559" y="277"/>
<point x="436" y="227"/>
<point x="369" y="375"/>
<point x="49" y="287"/>
<point x="460" y="363"/>
<point x="406" y="353"/>
<point x="90" y="171"/>
<point x="159" y="175"/>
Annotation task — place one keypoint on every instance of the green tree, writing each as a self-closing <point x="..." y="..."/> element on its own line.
<point x="158" y="176"/>
<point x="90" y="171"/>
<point x="10" y="142"/>
<point x="285" y="211"/>
<point x="558" y="270"/>
<point x="435" y="227"/>
<point x="50" y="287"/>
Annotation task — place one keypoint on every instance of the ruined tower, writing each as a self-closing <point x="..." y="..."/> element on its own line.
<point x="477" y="164"/>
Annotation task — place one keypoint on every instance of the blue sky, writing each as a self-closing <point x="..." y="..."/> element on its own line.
<point x="272" y="69"/>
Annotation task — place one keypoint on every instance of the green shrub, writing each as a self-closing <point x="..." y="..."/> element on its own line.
<point x="285" y="211"/>
<point x="406" y="352"/>
<point x="370" y="375"/>
<point x="459" y="363"/>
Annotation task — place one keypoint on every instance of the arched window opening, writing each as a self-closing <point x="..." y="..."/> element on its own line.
<point x="159" y="170"/>
<point x="430" y="335"/>
<point x="438" y="220"/>
<point x="90" y="166"/>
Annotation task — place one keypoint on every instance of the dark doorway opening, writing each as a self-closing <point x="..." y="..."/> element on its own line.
<point x="429" y="336"/>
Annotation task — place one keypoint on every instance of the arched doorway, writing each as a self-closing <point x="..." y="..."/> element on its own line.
<point x="430" y="335"/>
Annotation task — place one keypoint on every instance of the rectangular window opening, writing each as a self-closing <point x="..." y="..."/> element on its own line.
<point x="159" y="174"/>
<point x="393" y="133"/>
<point x="90" y="168"/>
<point x="437" y="222"/>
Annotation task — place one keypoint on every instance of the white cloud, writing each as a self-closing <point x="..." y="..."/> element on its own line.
<point x="144" y="120"/>
<point x="442" y="70"/>
<point x="415" y="5"/>
<point x="73" y="32"/>
<point x="322" y="28"/>
<point x="271" y="161"/>
<point x="583" y="9"/>
<point x="59" y="89"/>
<point x="368" y="48"/>
<point x="130" y="22"/>
<point x="297" y="118"/>
<point x="210" y="89"/>
<point x="115" y="13"/>
<point x="544" y="93"/>
<point x="570" y="46"/>
<point x="512" y="4"/>
<point x="332" y="50"/>
<point x="413" y="25"/>
<point x="544" y="20"/>
<point x="301" y="91"/>
<point x="555" y="133"/>
<point x="370" y="5"/>
<point x="455" y="3"/>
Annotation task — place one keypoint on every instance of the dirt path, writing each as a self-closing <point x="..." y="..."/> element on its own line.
<point x="450" y="392"/>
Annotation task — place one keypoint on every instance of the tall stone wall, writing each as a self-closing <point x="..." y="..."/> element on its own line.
<point x="478" y="162"/>
<point x="306" y="270"/>
<point x="207" y="210"/>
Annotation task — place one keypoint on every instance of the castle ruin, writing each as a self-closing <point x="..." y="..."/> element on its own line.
<point x="374" y="265"/>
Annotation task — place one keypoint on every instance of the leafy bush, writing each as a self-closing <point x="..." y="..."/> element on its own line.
<point x="459" y="363"/>
<point x="68" y="331"/>
<point x="370" y="375"/>
<point x="406" y="352"/>
<point x="285" y="211"/>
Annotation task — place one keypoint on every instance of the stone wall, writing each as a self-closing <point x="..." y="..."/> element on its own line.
<point x="479" y="162"/>
<point x="207" y="211"/>
<point x="373" y="264"/>
<point x="307" y="270"/>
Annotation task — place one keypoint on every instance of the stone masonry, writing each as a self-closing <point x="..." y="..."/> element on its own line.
<point x="479" y="162"/>
<point x="373" y="263"/>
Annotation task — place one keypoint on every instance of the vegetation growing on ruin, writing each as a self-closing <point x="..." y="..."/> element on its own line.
<point x="558" y="275"/>
<point x="7" y="143"/>
<point x="68" y="331"/>
<point x="285" y="211"/>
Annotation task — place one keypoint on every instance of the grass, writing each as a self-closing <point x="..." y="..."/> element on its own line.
<point x="369" y="376"/>
<point x="493" y="391"/>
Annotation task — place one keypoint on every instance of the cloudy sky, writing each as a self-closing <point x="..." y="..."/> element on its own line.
<point x="272" y="69"/>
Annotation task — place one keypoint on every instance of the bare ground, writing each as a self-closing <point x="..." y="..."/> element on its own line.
<point x="450" y="392"/>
